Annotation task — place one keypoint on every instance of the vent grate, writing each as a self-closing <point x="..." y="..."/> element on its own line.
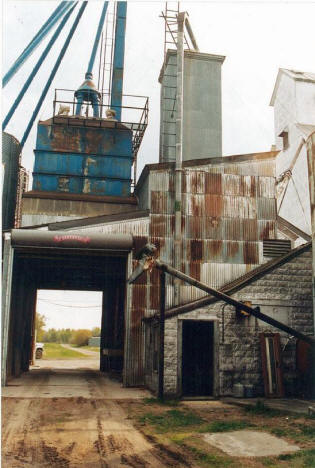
<point x="276" y="247"/>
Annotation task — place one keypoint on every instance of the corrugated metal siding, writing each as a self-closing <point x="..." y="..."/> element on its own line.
<point x="226" y="213"/>
<point x="94" y="161"/>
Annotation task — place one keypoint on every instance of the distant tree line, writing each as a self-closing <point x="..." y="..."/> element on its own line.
<point x="79" y="337"/>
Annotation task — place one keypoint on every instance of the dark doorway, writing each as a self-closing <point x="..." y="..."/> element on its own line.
<point x="197" y="370"/>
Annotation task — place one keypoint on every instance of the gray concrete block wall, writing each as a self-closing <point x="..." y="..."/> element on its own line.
<point x="285" y="293"/>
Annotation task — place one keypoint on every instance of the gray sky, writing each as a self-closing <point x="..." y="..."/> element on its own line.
<point x="256" y="37"/>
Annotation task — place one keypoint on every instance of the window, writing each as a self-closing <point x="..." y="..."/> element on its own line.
<point x="276" y="247"/>
<point x="285" y="139"/>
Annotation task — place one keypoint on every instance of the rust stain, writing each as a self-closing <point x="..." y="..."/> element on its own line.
<point x="195" y="270"/>
<point x="215" y="248"/>
<point x="232" y="249"/>
<point x="158" y="226"/>
<point x="139" y="296"/>
<point x="197" y="207"/>
<point x="250" y="229"/>
<point x="196" y="250"/>
<point x="250" y="252"/>
<point x="268" y="232"/>
<point x="213" y="183"/>
<point x="213" y="205"/>
<point x="155" y="296"/>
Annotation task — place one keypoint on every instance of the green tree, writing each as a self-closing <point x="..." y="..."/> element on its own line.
<point x="96" y="331"/>
<point x="81" y="337"/>
<point x="40" y="322"/>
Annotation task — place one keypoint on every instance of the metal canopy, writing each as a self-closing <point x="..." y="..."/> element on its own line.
<point x="70" y="239"/>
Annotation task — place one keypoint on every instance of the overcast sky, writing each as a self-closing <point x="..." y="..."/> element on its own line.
<point x="256" y="37"/>
<point x="70" y="309"/>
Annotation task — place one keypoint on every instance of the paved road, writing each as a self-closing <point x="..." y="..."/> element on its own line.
<point x="87" y="352"/>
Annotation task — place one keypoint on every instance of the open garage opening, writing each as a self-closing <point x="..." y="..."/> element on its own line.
<point x="67" y="330"/>
<point x="83" y="272"/>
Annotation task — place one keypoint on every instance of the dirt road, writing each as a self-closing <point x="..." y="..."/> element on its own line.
<point x="74" y="418"/>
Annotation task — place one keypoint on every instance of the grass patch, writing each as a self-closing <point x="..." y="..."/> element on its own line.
<point x="56" y="351"/>
<point x="96" y="349"/>
<point x="225" y="426"/>
<point x="158" y="401"/>
<point x="172" y="419"/>
<point x="208" y="459"/>
<point x="262" y="410"/>
<point x="307" y="457"/>
<point x="299" y="432"/>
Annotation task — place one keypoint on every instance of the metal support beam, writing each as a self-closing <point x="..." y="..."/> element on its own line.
<point x="162" y="335"/>
<point x="118" y="62"/>
<point x="191" y="35"/>
<point x="89" y="72"/>
<point x="36" y="68"/>
<point x="230" y="300"/>
<point x="37" y="39"/>
<point x="53" y="73"/>
<point x="6" y="303"/>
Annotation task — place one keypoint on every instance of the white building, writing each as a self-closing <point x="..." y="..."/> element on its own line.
<point x="293" y="100"/>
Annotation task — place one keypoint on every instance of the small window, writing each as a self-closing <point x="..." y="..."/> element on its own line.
<point x="285" y="139"/>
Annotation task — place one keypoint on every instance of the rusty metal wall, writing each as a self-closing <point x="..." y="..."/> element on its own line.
<point x="227" y="211"/>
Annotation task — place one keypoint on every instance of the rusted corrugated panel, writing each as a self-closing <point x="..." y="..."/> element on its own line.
<point x="267" y="229"/>
<point x="213" y="205"/>
<point x="194" y="227"/>
<point x="266" y="187"/>
<point x="248" y="186"/>
<point x="161" y="225"/>
<point x="266" y="208"/>
<point x="231" y="184"/>
<point x="232" y="229"/>
<point x="214" y="250"/>
<point x="249" y="229"/>
<point x="214" y="228"/>
<point x="162" y="181"/>
<point x="251" y="253"/>
<point x="162" y="202"/>
<point x="239" y="207"/>
<point x="139" y="296"/>
<point x="213" y="183"/>
<point x="194" y="182"/>
<point x="193" y="205"/>
<point x="196" y="250"/>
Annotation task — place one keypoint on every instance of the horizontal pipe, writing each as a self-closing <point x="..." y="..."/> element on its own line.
<point x="230" y="300"/>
